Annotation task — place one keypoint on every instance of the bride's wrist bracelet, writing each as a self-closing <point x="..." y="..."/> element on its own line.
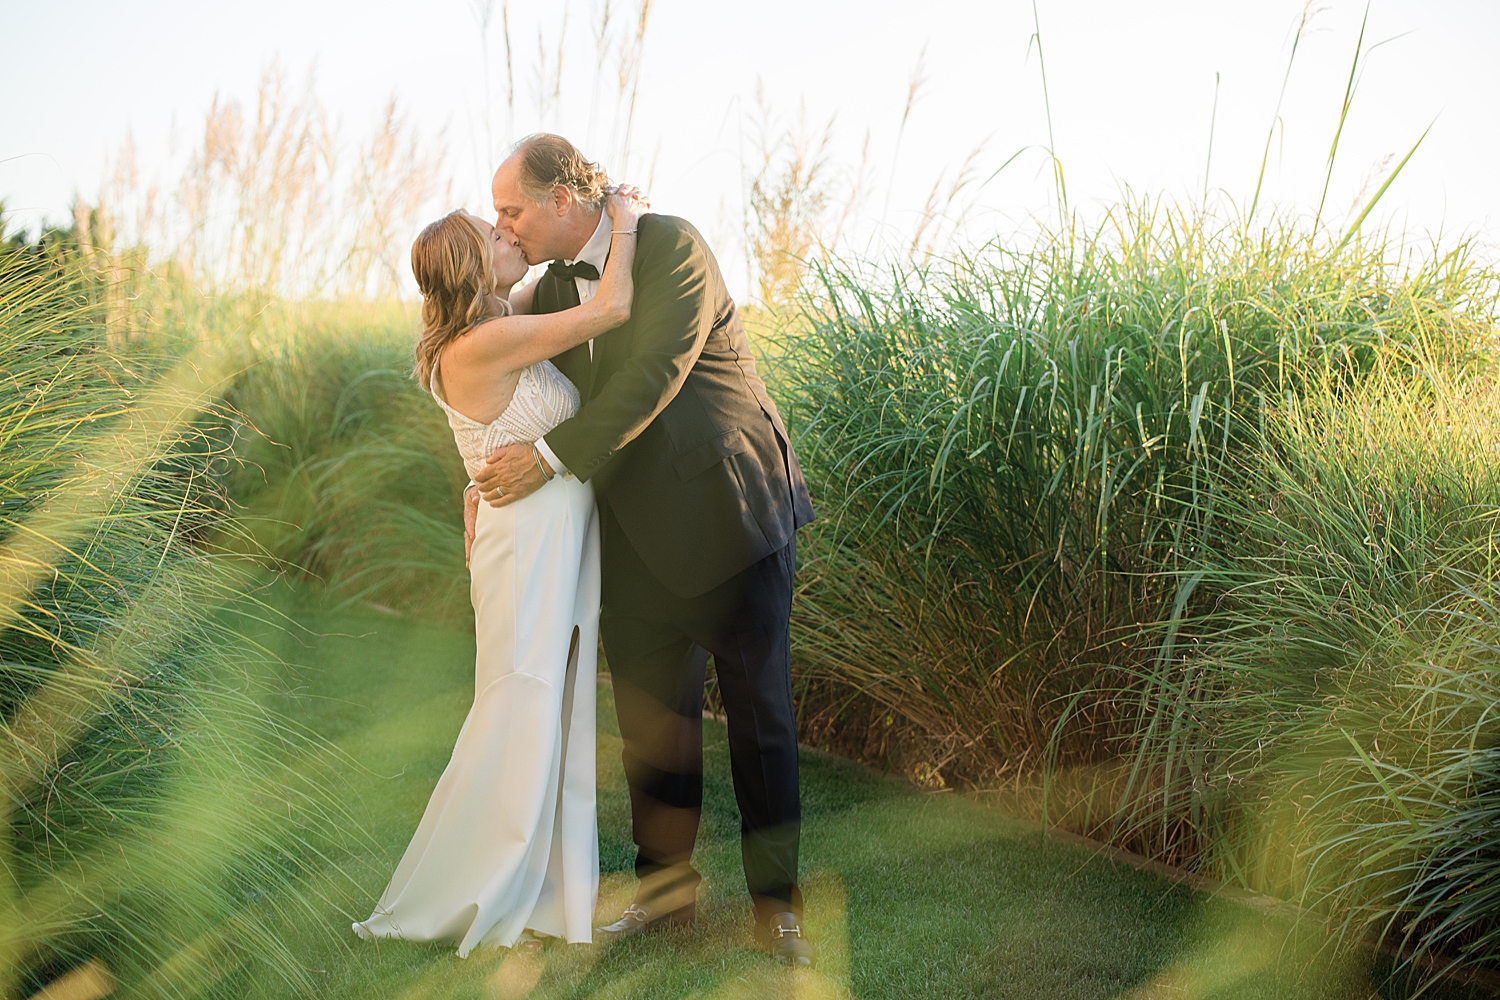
<point x="622" y="232"/>
<point x="536" y="453"/>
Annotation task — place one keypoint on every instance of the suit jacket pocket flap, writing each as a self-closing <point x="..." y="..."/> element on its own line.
<point x="701" y="458"/>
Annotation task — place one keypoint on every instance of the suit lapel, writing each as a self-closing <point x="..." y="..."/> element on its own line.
<point x="591" y="379"/>
<point x="616" y="343"/>
<point x="608" y="348"/>
<point x="581" y="369"/>
<point x="574" y="363"/>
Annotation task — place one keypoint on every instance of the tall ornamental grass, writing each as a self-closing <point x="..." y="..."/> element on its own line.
<point x="344" y="468"/>
<point x="1335" y="739"/>
<point x="1015" y="455"/>
<point x="157" y="818"/>
<point x="1193" y="517"/>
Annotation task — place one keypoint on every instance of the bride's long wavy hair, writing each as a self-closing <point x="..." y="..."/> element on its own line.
<point x="455" y="271"/>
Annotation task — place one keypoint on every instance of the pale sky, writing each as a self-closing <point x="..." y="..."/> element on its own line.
<point x="1132" y="85"/>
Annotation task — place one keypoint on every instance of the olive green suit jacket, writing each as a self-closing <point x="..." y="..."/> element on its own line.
<point x="676" y="431"/>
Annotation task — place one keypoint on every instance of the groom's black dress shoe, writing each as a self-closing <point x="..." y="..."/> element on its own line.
<point x="783" y="937"/>
<point x="639" y="918"/>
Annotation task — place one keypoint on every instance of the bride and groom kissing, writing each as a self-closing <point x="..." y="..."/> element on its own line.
<point x="639" y="488"/>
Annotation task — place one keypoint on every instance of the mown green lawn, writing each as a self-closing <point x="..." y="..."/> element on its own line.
<point x="908" y="894"/>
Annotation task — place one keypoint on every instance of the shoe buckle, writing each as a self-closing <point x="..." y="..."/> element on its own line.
<point x="780" y="931"/>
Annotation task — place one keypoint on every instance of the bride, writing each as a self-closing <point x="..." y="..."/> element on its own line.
<point x="507" y="852"/>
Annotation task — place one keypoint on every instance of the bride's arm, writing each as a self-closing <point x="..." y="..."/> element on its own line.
<point x="508" y="343"/>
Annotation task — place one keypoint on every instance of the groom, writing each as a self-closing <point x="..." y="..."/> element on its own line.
<point x="700" y="497"/>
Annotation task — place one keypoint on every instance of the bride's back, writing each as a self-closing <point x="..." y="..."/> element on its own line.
<point x="475" y="390"/>
<point x="539" y="399"/>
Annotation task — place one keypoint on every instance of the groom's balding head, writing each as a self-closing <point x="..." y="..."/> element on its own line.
<point x="548" y="196"/>
<point x="547" y="162"/>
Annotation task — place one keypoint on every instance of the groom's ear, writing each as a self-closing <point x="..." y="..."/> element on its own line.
<point x="562" y="199"/>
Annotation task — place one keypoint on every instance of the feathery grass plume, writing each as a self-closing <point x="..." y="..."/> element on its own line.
<point x="274" y="201"/>
<point x="546" y="87"/>
<point x="789" y="196"/>
<point x="484" y="14"/>
<point x="944" y="208"/>
<point x="629" y="61"/>
<point x="149" y="796"/>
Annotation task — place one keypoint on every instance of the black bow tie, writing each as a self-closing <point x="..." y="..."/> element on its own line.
<point x="579" y="269"/>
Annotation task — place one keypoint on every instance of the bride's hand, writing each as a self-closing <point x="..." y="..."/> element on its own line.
<point x="625" y="205"/>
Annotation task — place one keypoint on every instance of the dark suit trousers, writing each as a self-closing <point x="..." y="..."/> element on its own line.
<point x="658" y="646"/>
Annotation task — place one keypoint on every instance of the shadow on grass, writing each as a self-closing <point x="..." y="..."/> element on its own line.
<point x="908" y="894"/>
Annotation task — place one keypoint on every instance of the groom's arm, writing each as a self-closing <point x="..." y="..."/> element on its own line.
<point x="672" y="318"/>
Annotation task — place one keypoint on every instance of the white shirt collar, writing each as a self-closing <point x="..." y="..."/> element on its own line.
<point x="596" y="250"/>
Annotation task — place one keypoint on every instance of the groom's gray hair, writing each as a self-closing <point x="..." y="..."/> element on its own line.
<point x="548" y="160"/>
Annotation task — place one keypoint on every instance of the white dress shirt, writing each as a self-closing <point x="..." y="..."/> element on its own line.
<point x="596" y="252"/>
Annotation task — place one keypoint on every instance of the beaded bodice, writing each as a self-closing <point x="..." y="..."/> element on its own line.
<point x="543" y="399"/>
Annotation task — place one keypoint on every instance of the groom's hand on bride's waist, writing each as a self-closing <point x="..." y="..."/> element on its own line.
<point x="512" y="472"/>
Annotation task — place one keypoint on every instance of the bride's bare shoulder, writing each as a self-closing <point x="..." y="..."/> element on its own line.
<point x="468" y="347"/>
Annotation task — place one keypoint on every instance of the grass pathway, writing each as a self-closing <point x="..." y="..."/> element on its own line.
<point x="908" y="894"/>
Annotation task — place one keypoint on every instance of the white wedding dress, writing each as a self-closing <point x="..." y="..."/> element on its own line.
<point x="509" y="841"/>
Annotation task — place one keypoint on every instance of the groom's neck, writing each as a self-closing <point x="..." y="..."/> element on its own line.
<point x="582" y="223"/>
